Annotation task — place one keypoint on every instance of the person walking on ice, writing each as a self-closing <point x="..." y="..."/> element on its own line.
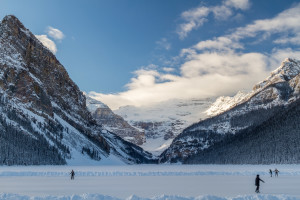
<point x="72" y="174"/>
<point x="276" y="172"/>
<point x="257" y="183"/>
<point x="270" y="171"/>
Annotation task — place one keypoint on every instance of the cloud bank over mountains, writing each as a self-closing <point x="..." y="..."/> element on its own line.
<point x="218" y="66"/>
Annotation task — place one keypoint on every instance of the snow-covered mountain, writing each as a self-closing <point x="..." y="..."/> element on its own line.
<point x="287" y="70"/>
<point x="224" y="103"/>
<point x="43" y="114"/>
<point x="162" y="122"/>
<point x="238" y="114"/>
<point x="114" y="123"/>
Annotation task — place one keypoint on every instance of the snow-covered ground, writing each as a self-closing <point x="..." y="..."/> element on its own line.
<point x="155" y="182"/>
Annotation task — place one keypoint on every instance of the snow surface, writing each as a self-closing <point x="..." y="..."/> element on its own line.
<point x="169" y="116"/>
<point x="224" y="103"/>
<point x="156" y="145"/>
<point x="149" y="182"/>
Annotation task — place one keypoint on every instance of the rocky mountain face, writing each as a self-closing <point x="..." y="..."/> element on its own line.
<point x="269" y="99"/>
<point x="44" y="118"/>
<point x="275" y="141"/>
<point x="162" y="122"/>
<point x="114" y="123"/>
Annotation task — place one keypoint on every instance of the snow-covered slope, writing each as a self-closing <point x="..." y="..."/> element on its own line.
<point x="287" y="70"/>
<point x="162" y="122"/>
<point x="239" y="113"/>
<point x="43" y="114"/>
<point x="224" y="103"/>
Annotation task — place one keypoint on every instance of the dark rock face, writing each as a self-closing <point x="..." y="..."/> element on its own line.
<point x="274" y="141"/>
<point x="113" y="122"/>
<point x="118" y="125"/>
<point x="205" y="141"/>
<point x="49" y="109"/>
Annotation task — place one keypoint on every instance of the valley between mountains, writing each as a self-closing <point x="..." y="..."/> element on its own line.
<point x="46" y="120"/>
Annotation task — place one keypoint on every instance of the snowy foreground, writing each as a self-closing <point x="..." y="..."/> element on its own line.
<point x="149" y="182"/>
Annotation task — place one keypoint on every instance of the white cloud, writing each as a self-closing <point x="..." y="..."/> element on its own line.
<point x="222" y="12"/>
<point x="285" y="27"/>
<point x="168" y="69"/>
<point x="163" y="43"/>
<point x="227" y="64"/>
<point x="196" y="17"/>
<point x="47" y="43"/>
<point x="285" y="22"/>
<point x="149" y="67"/>
<point x="214" y="67"/>
<point x="238" y="4"/>
<point x="185" y="28"/>
<point x="55" y="33"/>
<point x="206" y="75"/>
<point x="220" y="43"/>
<point x="144" y="79"/>
<point x="288" y="40"/>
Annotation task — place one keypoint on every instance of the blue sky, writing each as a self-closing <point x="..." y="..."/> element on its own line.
<point x="136" y="52"/>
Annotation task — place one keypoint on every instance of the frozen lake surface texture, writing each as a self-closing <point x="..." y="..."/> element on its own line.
<point x="149" y="182"/>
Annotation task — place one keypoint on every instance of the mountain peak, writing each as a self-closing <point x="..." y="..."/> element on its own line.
<point x="288" y="69"/>
<point x="13" y="25"/>
<point x="11" y="19"/>
<point x="13" y="32"/>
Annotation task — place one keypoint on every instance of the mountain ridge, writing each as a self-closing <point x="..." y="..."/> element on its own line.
<point x="41" y="104"/>
<point x="259" y="106"/>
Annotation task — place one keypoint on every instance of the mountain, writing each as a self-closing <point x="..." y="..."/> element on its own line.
<point x="44" y="118"/>
<point x="267" y="102"/>
<point x="276" y="141"/>
<point x="114" y="123"/>
<point x="224" y="103"/>
<point x="162" y="122"/>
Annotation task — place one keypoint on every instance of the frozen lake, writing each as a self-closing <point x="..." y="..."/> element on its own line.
<point x="149" y="181"/>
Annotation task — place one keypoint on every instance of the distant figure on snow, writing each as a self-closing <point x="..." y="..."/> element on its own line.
<point x="72" y="174"/>
<point x="276" y="172"/>
<point x="257" y="182"/>
<point x="271" y="173"/>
